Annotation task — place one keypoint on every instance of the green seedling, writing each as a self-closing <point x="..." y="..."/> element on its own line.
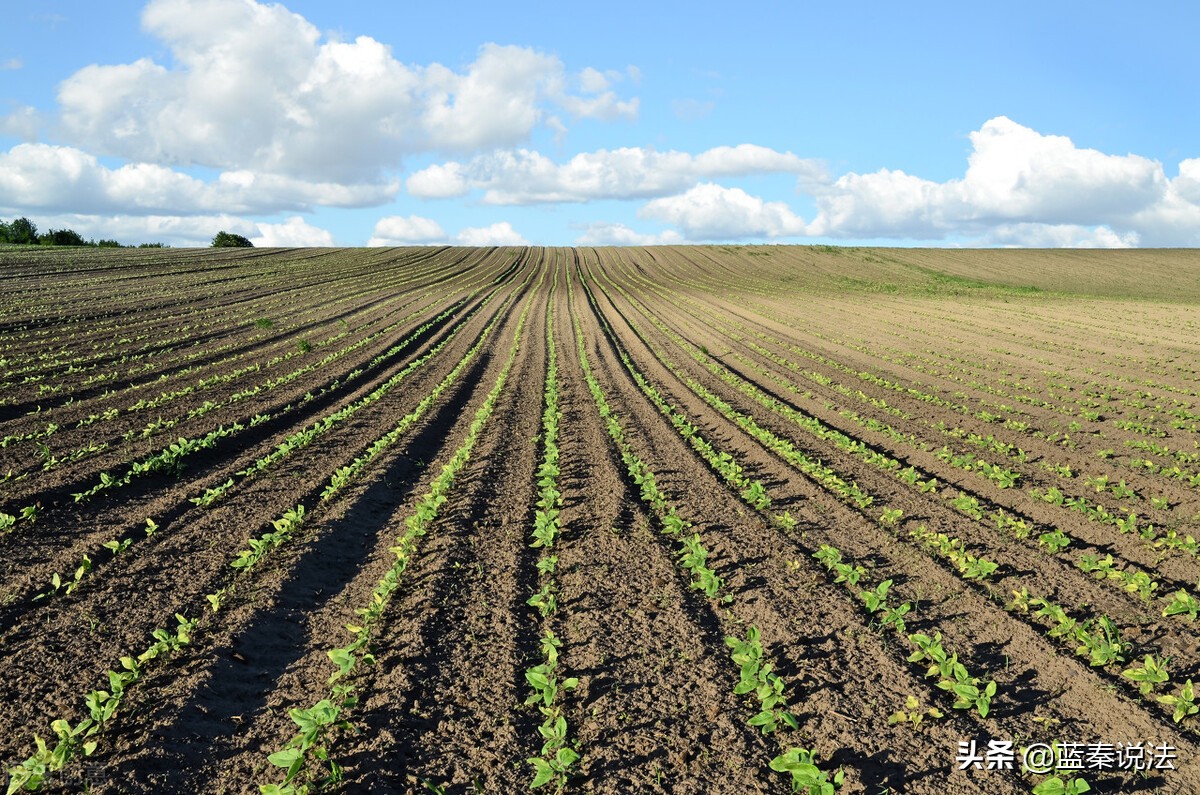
<point x="1183" y="704"/>
<point x="1101" y="642"/>
<point x="1097" y="566"/>
<point x="117" y="547"/>
<point x="1055" y="541"/>
<point x="1151" y="673"/>
<point x="757" y="677"/>
<point x="71" y="741"/>
<point x="544" y="600"/>
<point x="894" y="617"/>
<point x="806" y="776"/>
<point x="849" y="574"/>
<point x="1057" y="786"/>
<point x="546" y="685"/>
<point x="968" y="690"/>
<point x="1182" y="604"/>
<point x="876" y="600"/>
<point x="556" y="769"/>
<point x="756" y="495"/>
<point x="784" y="521"/>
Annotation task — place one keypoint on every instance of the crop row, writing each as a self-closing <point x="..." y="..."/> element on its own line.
<point x="318" y="722"/>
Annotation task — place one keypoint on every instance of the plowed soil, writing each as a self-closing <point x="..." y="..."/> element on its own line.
<point x="917" y="411"/>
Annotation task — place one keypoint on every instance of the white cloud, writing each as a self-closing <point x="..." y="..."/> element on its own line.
<point x="10" y="64"/>
<point x="1020" y="187"/>
<point x="603" y="103"/>
<point x="1187" y="184"/>
<point x="443" y="181"/>
<point x="413" y="230"/>
<point x="22" y="123"/>
<point x="712" y="212"/>
<point x="884" y="203"/>
<point x="254" y="86"/>
<point x="594" y="81"/>
<point x="606" y="107"/>
<point x="65" y="179"/>
<point x="1017" y="172"/>
<point x="396" y="230"/>
<point x="525" y="177"/>
<point x="498" y="234"/>
<point x="1057" y="236"/>
<point x="612" y="234"/>
<point x="293" y="233"/>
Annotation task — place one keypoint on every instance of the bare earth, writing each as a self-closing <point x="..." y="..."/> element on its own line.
<point x="918" y="411"/>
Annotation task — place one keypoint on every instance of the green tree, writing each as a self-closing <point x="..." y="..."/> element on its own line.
<point x="23" y="231"/>
<point x="62" y="237"/>
<point x="225" y="239"/>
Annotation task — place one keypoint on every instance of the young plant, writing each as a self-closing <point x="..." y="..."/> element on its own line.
<point x="912" y="713"/>
<point x="876" y="600"/>
<point x="1183" y="704"/>
<point x="316" y="725"/>
<point x="1101" y="642"/>
<point x="1152" y="672"/>
<point x="1055" y="541"/>
<point x="968" y="691"/>
<point x="556" y="769"/>
<point x="544" y="600"/>
<point x="806" y="776"/>
<point x="1057" y="786"/>
<point x="757" y="677"/>
<point x="1182" y="604"/>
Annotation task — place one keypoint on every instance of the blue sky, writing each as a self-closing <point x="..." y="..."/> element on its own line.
<point x="353" y="123"/>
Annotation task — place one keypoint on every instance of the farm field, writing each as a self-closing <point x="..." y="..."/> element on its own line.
<point x="679" y="519"/>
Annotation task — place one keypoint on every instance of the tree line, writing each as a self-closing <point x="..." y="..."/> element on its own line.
<point x="23" y="232"/>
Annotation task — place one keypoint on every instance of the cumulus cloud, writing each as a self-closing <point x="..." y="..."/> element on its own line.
<point x="525" y="177"/>
<point x="613" y="234"/>
<point x="66" y="179"/>
<point x="414" y="230"/>
<point x="1187" y="184"/>
<point x="1058" y="236"/>
<point x="252" y="85"/>
<point x="22" y="123"/>
<point x="712" y="212"/>
<point x="10" y="64"/>
<point x="1020" y="188"/>
<point x="295" y="232"/>
<point x="498" y="234"/>
<point x="443" y="181"/>
<point x="396" y="230"/>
